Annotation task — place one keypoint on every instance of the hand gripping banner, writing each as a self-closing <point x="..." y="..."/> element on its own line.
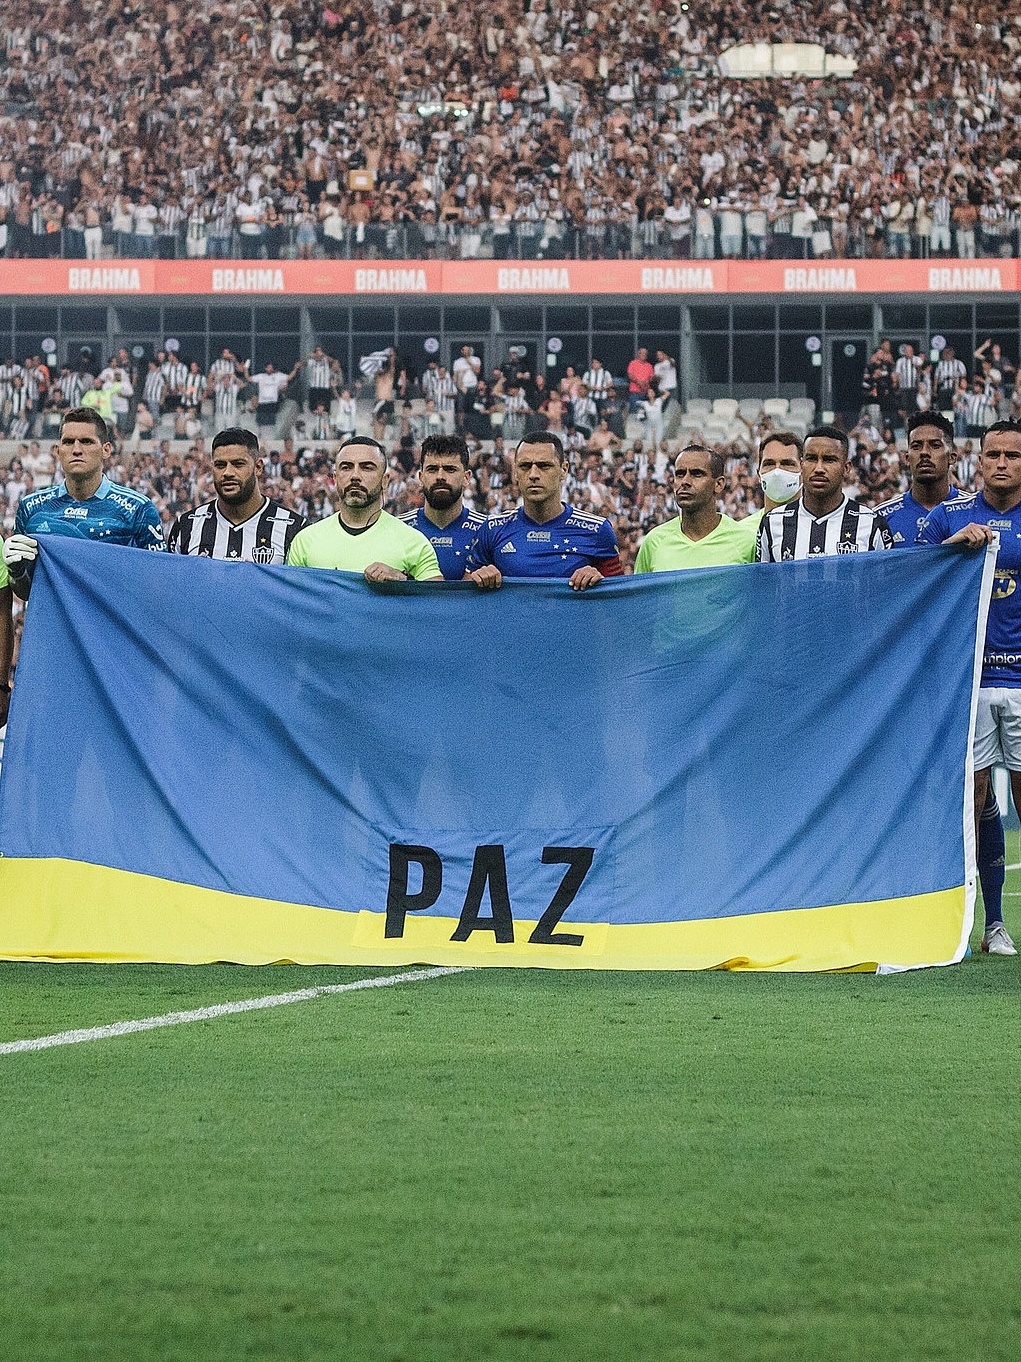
<point x="756" y="767"/>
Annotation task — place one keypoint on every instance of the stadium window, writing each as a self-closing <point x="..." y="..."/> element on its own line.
<point x="755" y="318"/>
<point x="511" y="318"/>
<point x="616" y="351"/>
<point x="796" y="367"/>
<point x="411" y="353"/>
<point x="45" y="320"/>
<point x="329" y="319"/>
<point x="848" y="317"/>
<point x="231" y="319"/>
<point x="460" y="321"/>
<point x="709" y="318"/>
<point x="560" y="319"/>
<point x="996" y="317"/>
<point x="374" y="321"/>
<point x="426" y="320"/>
<point x="617" y="317"/>
<point x="947" y="317"/>
<point x="903" y="317"/>
<point x="239" y="343"/>
<point x="283" y="348"/>
<point x="182" y="319"/>
<point x="800" y="316"/>
<point x="91" y="319"/>
<point x="710" y="361"/>
<point x="754" y="359"/>
<point x="193" y="347"/>
<point x="657" y="319"/>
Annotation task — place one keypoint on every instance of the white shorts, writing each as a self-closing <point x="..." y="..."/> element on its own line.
<point x="998" y="728"/>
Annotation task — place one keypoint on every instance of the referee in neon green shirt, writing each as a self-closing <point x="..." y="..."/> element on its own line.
<point x="362" y="537"/>
<point x="700" y="536"/>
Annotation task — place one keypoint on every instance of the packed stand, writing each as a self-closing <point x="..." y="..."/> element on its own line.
<point x="547" y="130"/>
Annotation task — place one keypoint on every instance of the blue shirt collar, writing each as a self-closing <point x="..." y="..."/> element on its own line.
<point x="102" y="490"/>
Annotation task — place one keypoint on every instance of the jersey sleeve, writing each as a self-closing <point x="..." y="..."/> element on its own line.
<point x="934" y="528"/>
<point x="148" y="531"/>
<point x="481" y="552"/>
<point x="605" y="553"/>
<point x="298" y="524"/>
<point x="643" y="562"/>
<point x="763" y="542"/>
<point x="174" y="538"/>
<point x="296" y="555"/>
<point x="420" y="561"/>
<point x="882" y="536"/>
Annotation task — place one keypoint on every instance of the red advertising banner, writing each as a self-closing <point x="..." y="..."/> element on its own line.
<point x="543" y="278"/>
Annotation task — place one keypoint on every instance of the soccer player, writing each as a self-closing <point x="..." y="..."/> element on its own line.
<point x="824" y="519"/>
<point x="700" y="536"/>
<point x="6" y="641"/>
<point x="241" y="523"/>
<point x="362" y="537"/>
<point x="779" y="472"/>
<point x="972" y="520"/>
<point x="444" y="520"/>
<point x="86" y="505"/>
<point x="543" y="537"/>
<point x="931" y="451"/>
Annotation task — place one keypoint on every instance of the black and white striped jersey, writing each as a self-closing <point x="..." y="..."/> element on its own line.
<point x="264" y="537"/>
<point x="791" y="532"/>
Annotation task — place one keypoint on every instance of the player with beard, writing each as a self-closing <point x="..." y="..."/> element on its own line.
<point x="362" y="537"/>
<point x="444" y="520"/>
<point x="241" y="524"/>
<point x="931" y="451"/>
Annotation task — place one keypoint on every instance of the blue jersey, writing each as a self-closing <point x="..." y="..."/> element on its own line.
<point x="1001" y="660"/>
<point x="113" y="515"/>
<point x="521" y="547"/>
<point x="452" y="543"/>
<point x="904" y="515"/>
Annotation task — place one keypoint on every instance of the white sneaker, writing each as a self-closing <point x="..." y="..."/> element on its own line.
<point x="997" y="942"/>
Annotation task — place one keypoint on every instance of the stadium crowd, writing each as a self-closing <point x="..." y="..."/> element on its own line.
<point x="613" y="427"/>
<point x="545" y="130"/>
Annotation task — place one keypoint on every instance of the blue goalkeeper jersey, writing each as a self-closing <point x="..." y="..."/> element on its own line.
<point x="1001" y="659"/>
<point x="113" y="515"/>
<point x="904" y="516"/>
<point x="452" y="543"/>
<point x="521" y="547"/>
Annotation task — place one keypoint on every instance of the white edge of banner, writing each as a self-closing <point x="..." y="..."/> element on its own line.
<point x="970" y="850"/>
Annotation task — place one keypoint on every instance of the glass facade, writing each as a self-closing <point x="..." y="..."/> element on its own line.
<point x="755" y="348"/>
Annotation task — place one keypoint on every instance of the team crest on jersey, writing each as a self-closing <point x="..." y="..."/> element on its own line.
<point x="262" y="554"/>
<point x="847" y="546"/>
<point x="1003" y="586"/>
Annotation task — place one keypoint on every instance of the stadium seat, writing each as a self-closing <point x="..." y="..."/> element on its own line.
<point x="802" y="409"/>
<point x="700" y="406"/>
<point x="776" y="407"/>
<point x="750" y="409"/>
<point x="726" y="407"/>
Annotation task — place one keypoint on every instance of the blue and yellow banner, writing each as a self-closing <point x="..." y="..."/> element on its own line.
<point x="756" y="767"/>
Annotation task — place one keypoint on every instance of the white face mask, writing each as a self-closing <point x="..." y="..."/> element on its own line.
<point x="781" y="485"/>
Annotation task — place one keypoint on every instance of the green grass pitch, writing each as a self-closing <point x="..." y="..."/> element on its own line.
<point x="515" y="1165"/>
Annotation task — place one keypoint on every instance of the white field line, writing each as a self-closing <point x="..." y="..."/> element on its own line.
<point x="1015" y="866"/>
<point x="301" y="995"/>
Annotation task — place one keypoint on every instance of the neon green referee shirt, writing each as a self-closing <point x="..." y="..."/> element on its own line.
<point x="667" y="548"/>
<point x="4" y="577"/>
<point x="329" y="544"/>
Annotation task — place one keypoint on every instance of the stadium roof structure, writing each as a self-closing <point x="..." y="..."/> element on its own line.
<point x="757" y="61"/>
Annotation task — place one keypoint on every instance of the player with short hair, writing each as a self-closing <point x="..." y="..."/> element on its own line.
<point x="543" y="537"/>
<point x="240" y="524"/>
<point x="6" y="640"/>
<point x="780" y="454"/>
<point x="931" y="451"/>
<point x="444" y="519"/>
<point x="700" y="535"/>
<point x="362" y="537"/>
<point x="973" y="520"/>
<point x="86" y="505"/>
<point x="823" y="520"/>
<point x="930" y="438"/>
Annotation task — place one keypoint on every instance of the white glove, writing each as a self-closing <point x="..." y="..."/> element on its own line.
<point x="20" y="549"/>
